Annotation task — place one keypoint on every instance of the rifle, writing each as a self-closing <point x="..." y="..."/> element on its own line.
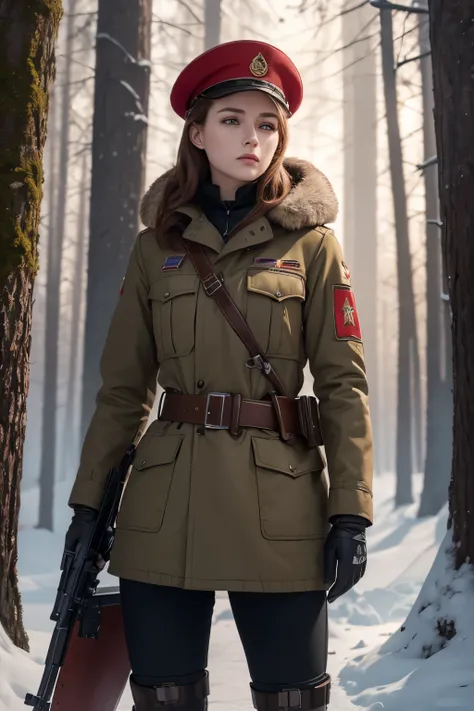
<point x="78" y="583"/>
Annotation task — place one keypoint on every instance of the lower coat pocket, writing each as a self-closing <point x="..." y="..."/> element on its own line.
<point x="147" y="490"/>
<point x="292" y="491"/>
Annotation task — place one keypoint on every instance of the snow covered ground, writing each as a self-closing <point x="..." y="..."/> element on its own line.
<point x="373" y="664"/>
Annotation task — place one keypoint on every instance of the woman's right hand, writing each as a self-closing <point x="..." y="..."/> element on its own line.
<point x="80" y="528"/>
<point x="81" y="525"/>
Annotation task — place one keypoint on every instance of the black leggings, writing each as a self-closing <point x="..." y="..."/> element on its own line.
<point x="284" y="635"/>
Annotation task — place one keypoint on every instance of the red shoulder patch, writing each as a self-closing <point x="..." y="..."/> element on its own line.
<point x="346" y="318"/>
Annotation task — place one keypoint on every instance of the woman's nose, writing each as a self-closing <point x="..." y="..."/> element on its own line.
<point x="251" y="141"/>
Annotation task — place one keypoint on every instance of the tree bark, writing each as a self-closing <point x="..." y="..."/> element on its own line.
<point x="407" y="340"/>
<point x="118" y="168"/>
<point x="212" y="23"/>
<point x="452" y="41"/>
<point x="439" y="402"/>
<point x="360" y="190"/>
<point x="28" y="32"/>
<point x="53" y="295"/>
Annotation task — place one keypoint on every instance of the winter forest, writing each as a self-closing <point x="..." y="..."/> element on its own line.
<point x="388" y="117"/>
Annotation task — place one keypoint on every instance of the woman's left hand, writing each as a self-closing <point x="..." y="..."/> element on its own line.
<point x="345" y="554"/>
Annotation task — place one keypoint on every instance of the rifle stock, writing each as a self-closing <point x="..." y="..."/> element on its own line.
<point x="78" y="582"/>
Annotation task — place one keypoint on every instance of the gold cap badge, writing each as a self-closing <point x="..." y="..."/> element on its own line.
<point x="259" y="66"/>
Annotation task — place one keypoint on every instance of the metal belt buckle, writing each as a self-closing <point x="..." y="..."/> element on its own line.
<point x="220" y="426"/>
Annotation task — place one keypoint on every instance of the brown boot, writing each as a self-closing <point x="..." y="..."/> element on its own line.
<point x="191" y="697"/>
<point x="315" y="699"/>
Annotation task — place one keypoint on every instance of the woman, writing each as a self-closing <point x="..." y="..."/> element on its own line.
<point x="227" y="490"/>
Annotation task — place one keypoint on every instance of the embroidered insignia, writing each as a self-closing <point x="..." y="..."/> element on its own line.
<point x="346" y="318"/>
<point x="173" y="262"/>
<point x="289" y="264"/>
<point x="121" y="287"/>
<point x="278" y="263"/>
<point x="348" y="312"/>
<point x="258" y="65"/>
<point x="269" y="261"/>
<point x="346" y="271"/>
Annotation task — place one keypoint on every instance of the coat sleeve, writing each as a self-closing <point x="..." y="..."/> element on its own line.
<point x="128" y="369"/>
<point x="336" y="360"/>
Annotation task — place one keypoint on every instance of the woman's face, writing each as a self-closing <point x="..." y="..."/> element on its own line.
<point x="239" y="125"/>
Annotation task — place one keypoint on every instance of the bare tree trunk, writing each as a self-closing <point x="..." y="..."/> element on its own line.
<point x="417" y="410"/>
<point x="212" y="23"/>
<point x="452" y="40"/>
<point x="439" y="405"/>
<point x="360" y="188"/>
<point x="53" y="297"/>
<point x="28" y="33"/>
<point x="122" y="87"/>
<point x="70" y="450"/>
<point x="406" y="318"/>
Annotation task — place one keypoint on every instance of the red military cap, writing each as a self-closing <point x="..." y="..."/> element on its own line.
<point x="231" y="67"/>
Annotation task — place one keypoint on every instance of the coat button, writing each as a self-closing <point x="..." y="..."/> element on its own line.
<point x="167" y="293"/>
<point x="143" y="462"/>
<point x="278" y="293"/>
<point x="200" y="384"/>
<point x="291" y="468"/>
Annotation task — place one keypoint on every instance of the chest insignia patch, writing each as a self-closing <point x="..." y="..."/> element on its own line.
<point x="346" y="318"/>
<point x="277" y="263"/>
<point x="173" y="262"/>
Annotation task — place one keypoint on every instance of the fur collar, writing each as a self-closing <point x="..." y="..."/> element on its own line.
<point x="310" y="203"/>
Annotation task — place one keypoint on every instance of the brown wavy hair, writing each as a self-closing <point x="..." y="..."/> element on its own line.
<point x="192" y="167"/>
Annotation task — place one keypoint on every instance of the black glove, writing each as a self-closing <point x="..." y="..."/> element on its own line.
<point x="80" y="528"/>
<point x="345" y="554"/>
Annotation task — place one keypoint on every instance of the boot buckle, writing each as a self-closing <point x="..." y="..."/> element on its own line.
<point x="167" y="694"/>
<point x="290" y="698"/>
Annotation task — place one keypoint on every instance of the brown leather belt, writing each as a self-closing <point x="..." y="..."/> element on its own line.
<point x="225" y="411"/>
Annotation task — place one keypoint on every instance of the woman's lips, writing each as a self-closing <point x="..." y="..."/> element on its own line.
<point x="249" y="157"/>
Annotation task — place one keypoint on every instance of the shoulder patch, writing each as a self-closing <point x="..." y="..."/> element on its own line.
<point x="346" y="318"/>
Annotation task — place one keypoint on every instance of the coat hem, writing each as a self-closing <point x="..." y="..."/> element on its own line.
<point x="230" y="585"/>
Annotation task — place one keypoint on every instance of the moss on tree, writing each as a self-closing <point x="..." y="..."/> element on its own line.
<point x="25" y="72"/>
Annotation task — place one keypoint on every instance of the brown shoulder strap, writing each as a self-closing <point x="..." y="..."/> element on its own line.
<point x="214" y="287"/>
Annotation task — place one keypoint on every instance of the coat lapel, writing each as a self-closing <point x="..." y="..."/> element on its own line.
<point x="258" y="232"/>
<point x="200" y="229"/>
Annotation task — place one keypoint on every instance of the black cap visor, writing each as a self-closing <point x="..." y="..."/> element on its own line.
<point x="234" y="86"/>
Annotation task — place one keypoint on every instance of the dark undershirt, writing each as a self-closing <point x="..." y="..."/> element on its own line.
<point x="225" y="215"/>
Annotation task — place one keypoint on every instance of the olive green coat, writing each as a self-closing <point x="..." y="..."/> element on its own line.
<point x="214" y="511"/>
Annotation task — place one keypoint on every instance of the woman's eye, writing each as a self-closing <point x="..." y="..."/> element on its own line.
<point x="268" y="127"/>
<point x="227" y="120"/>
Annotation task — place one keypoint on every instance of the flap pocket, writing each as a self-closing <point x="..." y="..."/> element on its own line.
<point x="291" y="507"/>
<point x="173" y="302"/>
<point x="156" y="450"/>
<point x="177" y="285"/>
<point x="297" y="460"/>
<point x="278" y="285"/>
<point x="146" y="493"/>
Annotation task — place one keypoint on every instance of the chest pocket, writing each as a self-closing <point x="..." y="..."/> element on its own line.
<point x="173" y="300"/>
<point x="275" y="311"/>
